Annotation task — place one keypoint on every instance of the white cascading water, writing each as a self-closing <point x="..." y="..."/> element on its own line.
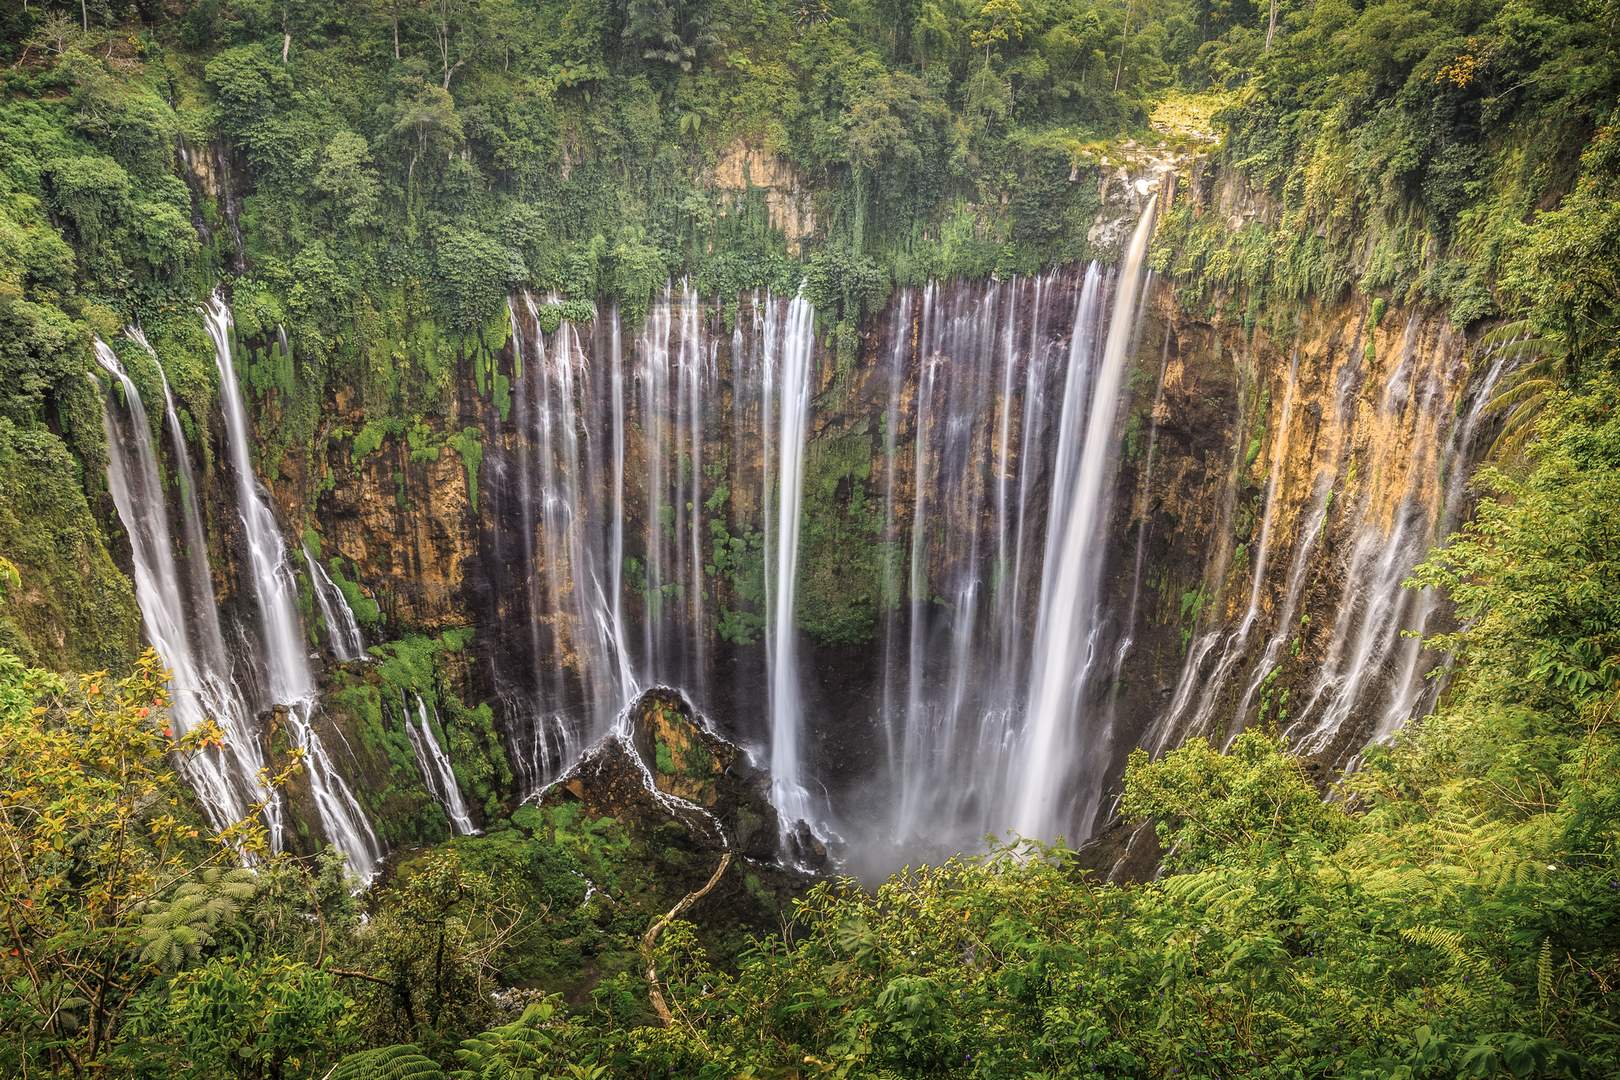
<point x="1372" y="663"/>
<point x="1068" y="620"/>
<point x="342" y="628"/>
<point x="899" y="349"/>
<point x="977" y="464"/>
<point x="434" y="763"/>
<point x="1408" y="687"/>
<point x="289" y="679"/>
<point x="582" y="423"/>
<point x="217" y="686"/>
<point x="226" y="780"/>
<point x="997" y="654"/>
<point x="1235" y="648"/>
<point x="1368" y="658"/>
<point x="786" y="403"/>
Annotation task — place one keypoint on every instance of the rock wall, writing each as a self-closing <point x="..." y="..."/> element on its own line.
<point x="1271" y="491"/>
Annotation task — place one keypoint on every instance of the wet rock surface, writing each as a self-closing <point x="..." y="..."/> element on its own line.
<point x="664" y="774"/>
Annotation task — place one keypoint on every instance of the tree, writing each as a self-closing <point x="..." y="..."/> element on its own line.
<point x="259" y="1017"/>
<point x="430" y="119"/>
<point x="1000" y="22"/>
<point x="105" y="882"/>
<point x="349" y="182"/>
<point x="428" y="960"/>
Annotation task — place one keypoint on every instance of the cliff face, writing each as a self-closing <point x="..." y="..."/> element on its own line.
<point x="600" y="510"/>
<point x="1269" y="497"/>
<point x="1297" y="482"/>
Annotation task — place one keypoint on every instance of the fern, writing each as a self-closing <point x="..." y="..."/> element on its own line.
<point x="1544" y="980"/>
<point x="404" y="1061"/>
<point x="1478" y="983"/>
<point x="1542" y="365"/>
<point x="500" y="1051"/>
<point x="174" y="932"/>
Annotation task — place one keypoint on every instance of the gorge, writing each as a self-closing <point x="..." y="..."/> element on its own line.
<point x="999" y="621"/>
<point x="595" y="539"/>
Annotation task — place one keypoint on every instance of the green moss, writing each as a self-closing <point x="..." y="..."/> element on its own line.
<point x="367" y="612"/>
<point x="737" y="563"/>
<point x="469" y="443"/>
<point x="72" y="609"/>
<point x="374" y="704"/>
<point x="843" y="556"/>
<point x="370" y="438"/>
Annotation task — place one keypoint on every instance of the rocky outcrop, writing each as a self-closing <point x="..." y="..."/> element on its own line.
<point x="662" y="767"/>
<point x="698" y="803"/>
<point x="745" y="168"/>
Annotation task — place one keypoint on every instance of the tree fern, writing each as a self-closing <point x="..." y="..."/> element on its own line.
<point x="401" y="1062"/>
<point x="1538" y="365"/>
<point x="503" y="1051"/>
<point x="175" y="930"/>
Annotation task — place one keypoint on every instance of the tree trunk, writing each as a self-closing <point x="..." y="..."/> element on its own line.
<point x="1124" y="38"/>
<point x="1271" y="25"/>
<point x="84" y="15"/>
<point x="655" y="992"/>
<point x="286" y="46"/>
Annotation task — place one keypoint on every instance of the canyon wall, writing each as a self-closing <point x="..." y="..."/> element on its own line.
<point x="598" y="512"/>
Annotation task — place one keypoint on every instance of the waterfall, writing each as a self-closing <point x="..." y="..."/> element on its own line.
<point x="217" y="687"/>
<point x="289" y="679"/>
<point x="1067" y="624"/>
<point x="993" y="414"/>
<point x="545" y="739"/>
<point x="342" y="629"/>
<point x="201" y="689"/>
<point x="654" y="380"/>
<point x="900" y="340"/>
<point x="1234" y="650"/>
<point x="603" y="439"/>
<point x="786" y="403"/>
<point x="1408" y="688"/>
<point x="437" y="774"/>
<point x="581" y="665"/>
<point x="648" y="518"/>
<point x="1365" y="651"/>
<point x="911" y="775"/>
<point x="1139" y="561"/>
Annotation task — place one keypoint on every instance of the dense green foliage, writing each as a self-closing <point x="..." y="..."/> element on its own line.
<point x="1404" y="149"/>
<point x="1452" y="913"/>
<point x="374" y="178"/>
